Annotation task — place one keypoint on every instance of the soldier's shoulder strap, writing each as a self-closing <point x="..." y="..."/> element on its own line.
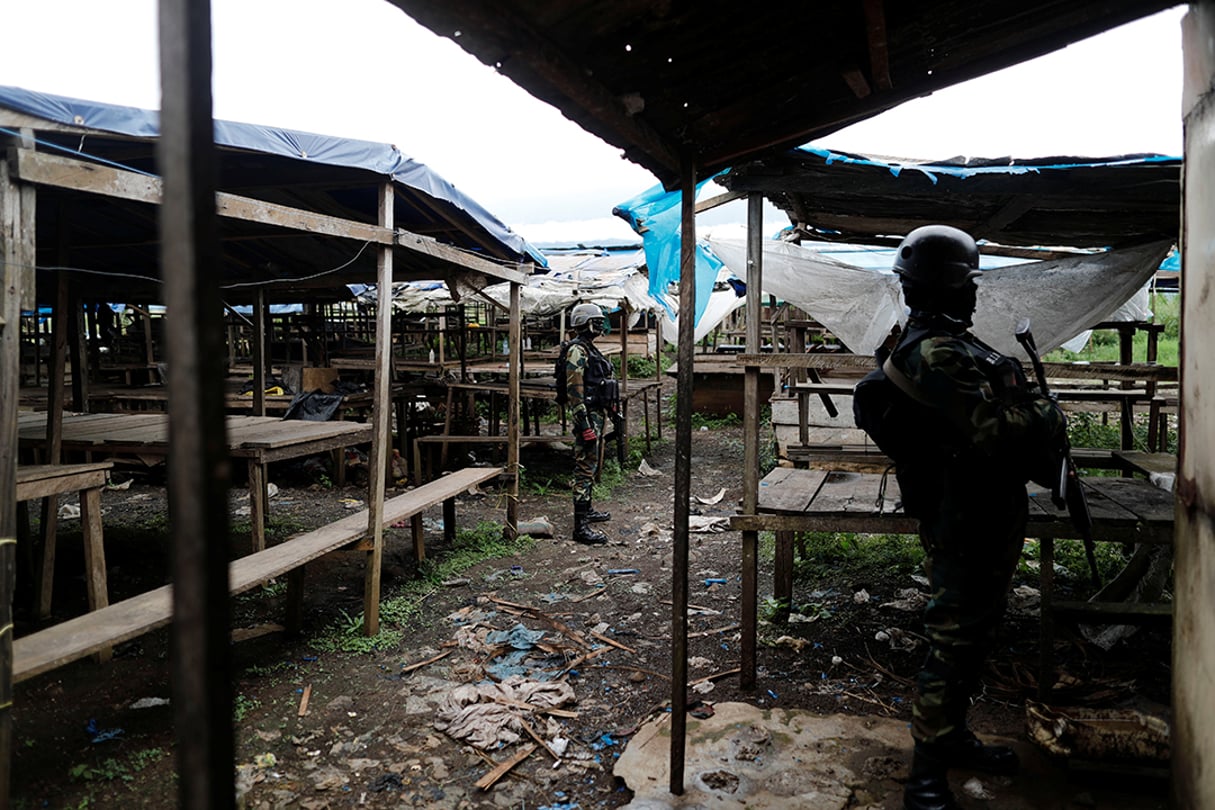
<point x="903" y="382"/>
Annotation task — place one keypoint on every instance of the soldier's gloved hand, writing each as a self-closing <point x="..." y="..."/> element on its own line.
<point x="583" y="427"/>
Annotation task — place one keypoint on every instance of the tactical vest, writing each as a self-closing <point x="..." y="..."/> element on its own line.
<point x="599" y="390"/>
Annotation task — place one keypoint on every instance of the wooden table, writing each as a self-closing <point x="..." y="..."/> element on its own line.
<point x="259" y="440"/>
<point x="49" y="480"/>
<point x="1124" y="510"/>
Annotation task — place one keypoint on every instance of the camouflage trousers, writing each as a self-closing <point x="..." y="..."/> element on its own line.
<point x="972" y="554"/>
<point x="586" y="459"/>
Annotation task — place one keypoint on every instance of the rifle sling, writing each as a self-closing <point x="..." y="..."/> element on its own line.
<point x="904" y="383"/>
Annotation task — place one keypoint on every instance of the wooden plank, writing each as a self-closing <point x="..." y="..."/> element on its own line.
<point x="61" y="172"/>
<point x="44" y="481"/>
<point x="789" y="490"/>
<point x="851" y="493"/>
<point x="1147" y="502"/>
<point x="1148" y="463"/>
<point x="65" y="642"/>
<point x="95" y="631"/>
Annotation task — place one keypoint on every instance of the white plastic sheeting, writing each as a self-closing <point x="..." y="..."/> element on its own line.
<point x="1062" y="297"/>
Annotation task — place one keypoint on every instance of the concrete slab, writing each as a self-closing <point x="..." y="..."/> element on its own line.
<point x="773" y="759"/>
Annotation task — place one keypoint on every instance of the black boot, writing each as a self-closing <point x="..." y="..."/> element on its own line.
<point x="928" y="787"/>
<point x="595" y="516"/>
<point x="583" y="533"/>
<point x="964" y="750"/>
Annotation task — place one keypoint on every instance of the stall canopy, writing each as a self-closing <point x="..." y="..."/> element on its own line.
<point x="1074" y="201"/>
<point x="115" y="239"/>
<point x="1021" y="208"/>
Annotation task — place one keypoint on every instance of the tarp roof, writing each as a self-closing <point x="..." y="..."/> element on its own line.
<point x="319" y="173"/>
<point x="1072" y="201"/>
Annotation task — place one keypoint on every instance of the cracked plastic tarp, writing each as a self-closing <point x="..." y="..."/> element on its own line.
<point x="656" y="214"/>
<point x="1061" y="296"/>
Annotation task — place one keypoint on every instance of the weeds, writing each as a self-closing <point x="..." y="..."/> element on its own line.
<point x="485" y="541"/>
<point x="116" y="769"/>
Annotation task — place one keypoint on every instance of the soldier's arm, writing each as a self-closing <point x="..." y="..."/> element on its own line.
<point x="575" y="386"/>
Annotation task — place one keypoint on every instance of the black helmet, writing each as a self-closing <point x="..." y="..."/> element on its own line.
<point x="937" y="256"/>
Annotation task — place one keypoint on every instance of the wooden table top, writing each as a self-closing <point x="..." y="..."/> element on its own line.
<point x="148" y="433"/>
<point x="1119" y="506"/>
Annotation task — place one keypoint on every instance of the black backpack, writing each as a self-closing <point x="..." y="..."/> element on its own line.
<point x="891" y="418"/>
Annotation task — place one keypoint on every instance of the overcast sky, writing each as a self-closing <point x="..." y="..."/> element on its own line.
<point x="363" y="69"/>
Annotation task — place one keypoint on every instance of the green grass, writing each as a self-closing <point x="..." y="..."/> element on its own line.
<point x="1103" y="345"/>
<point x="483" y="542"/>
<point x="839" y="556"/>
<point x="116" y="769"/>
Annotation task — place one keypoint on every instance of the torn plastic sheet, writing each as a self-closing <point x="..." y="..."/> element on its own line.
<point x="1060" y="296"/>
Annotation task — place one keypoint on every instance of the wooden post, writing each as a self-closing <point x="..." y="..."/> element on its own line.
<point x="750" y="504"/>
<point x="17" y="243"/>
<point x="624" y="375"/>
<point x="514" y="378"/>
<point x="54" y="432"/>
<point x="380" y="411"/>
<point x="683" y="476"/>
<point x="78" y="347"/>
<point x="259" y="352"/>
<point x="1193" y="736"/>
<point x="198" y="459"/>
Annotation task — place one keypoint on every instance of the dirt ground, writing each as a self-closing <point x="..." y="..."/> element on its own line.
<point x="101" y="736"/>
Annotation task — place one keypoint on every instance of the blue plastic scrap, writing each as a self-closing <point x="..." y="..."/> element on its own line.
<point x="98" y="735"/>
<point x="519" y="637"/>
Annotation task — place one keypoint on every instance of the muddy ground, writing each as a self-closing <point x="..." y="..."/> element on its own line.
<point x="101" y="736"/>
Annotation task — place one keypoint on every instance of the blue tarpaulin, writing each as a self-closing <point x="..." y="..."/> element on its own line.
<point x="382" y="159"/>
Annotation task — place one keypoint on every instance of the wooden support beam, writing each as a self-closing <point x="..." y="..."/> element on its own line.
<point x="61" y="172"/>
<point x="380" y="416"/>
<point x="198" y="463"/>
<point x="683" y="476"/>
<point x="750" y="539"/>
<point x="879" y="57"/>
<point x="514" y="401"/>
<point x="16" y="270"/>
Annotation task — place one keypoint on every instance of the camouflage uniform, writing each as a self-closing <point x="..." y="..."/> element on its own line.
<point x="983" y="433"/>
<point x="586" y="454"/>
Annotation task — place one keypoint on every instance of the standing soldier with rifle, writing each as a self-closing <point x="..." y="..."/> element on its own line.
<point x="589" y="394"/>
<point x="965" y="432"/>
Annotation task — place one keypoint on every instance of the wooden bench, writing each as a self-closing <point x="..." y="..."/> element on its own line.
<point x="47" y="480"/>
<point x="99" y="630"/>
<point x="423" y="463"/>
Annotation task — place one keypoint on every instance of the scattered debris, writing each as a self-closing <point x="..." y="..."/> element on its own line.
<point x="645" y="469"/>
<point x="976" y="790"/>
<point x="303" y="710"/>
<point x="721" y="493"/>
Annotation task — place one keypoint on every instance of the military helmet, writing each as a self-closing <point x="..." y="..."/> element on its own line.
<point x="937" y="256"/>
<point x="583" y="314"/>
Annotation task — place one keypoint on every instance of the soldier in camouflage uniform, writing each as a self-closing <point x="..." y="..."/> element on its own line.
<point x="982" y="433"/>
<point x="588" y="379"/>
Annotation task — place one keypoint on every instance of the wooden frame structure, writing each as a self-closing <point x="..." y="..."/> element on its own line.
<point x="876" y="59"/>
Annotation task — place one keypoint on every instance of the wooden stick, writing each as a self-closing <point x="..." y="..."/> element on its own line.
<point x="531" y="732"/>
<point x="421" y="664"/>
<point x="503" y="768"/>
<point x="304" y="701"/>
<point x="714" y="631"/>
<point x="697" y="607"/>
<point x="518" y="704"/>
<point x="612" y="642"/>
<point x="715" y="676"/>
<point x="586" y="596"/>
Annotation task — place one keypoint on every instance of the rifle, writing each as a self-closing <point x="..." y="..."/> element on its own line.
<point x="617" y="418"/>
<point x="1066" y="490"/>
